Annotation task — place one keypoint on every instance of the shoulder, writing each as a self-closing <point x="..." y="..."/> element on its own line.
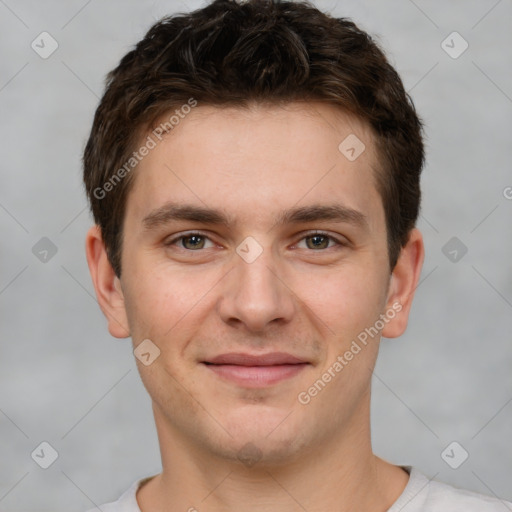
<point x="127" y="502"/>
<point x="425" y="495"/>
<point x="443" y="495"/>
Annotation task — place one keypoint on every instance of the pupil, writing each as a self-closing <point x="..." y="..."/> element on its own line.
<point x="318" y="240"/>
<point x="193" y="241"/>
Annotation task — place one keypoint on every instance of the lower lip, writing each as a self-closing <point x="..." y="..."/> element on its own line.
<point x="256" y="376"/>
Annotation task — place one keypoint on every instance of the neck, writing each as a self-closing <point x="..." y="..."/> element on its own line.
<point x="342" y="475"/>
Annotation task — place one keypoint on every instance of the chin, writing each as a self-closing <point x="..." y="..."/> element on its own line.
<point x="263" y="440"/>
<point x="260" y="453"/>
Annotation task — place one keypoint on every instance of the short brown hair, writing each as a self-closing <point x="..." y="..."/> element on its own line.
<point x="231" y="53"/>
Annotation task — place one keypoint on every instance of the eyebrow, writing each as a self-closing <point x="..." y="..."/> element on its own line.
<point x="175" y="212"/>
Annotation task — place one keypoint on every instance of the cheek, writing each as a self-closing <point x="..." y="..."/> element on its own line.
<point x="346" y="300"/>
<point x="166" y="300"/>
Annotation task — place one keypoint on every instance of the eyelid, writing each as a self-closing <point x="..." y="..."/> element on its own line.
<point x="185" y="234"/>
<point x="340" y="240"/>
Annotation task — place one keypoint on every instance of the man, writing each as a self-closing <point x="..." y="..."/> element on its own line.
<point x="253" y="170"/>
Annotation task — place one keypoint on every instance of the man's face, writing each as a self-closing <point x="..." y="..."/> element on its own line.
<point x="254" y="254"/>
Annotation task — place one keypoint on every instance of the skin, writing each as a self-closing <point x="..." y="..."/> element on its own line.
<point x="227" y="446"/>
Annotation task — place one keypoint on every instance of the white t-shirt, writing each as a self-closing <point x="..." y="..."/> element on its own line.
<point x="420" y="495"/>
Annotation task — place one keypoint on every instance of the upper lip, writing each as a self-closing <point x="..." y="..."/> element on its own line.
<point x="240" y="359"/>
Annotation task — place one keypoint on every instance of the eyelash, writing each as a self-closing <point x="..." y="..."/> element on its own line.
<point x="338" y="242"/>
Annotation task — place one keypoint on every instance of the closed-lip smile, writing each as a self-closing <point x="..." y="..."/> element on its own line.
<point x="250" y="370"/>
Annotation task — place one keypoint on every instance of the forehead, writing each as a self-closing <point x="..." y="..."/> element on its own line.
<point x="249" y="161"/>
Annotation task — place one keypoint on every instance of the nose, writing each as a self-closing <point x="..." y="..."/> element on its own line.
<point x="256" y="295"/>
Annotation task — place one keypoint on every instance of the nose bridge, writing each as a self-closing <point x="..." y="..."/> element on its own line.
<point x="254" y="294"/>
<point x="257" y="278"/>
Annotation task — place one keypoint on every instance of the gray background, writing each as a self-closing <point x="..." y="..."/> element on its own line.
<point x="64" y="380"/>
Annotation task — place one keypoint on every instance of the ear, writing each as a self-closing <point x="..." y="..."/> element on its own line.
<point x="403" y="283"/>
<point x="107" y="284"/>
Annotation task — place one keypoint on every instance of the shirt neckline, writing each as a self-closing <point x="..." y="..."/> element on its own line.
<point x="414" y="492"/>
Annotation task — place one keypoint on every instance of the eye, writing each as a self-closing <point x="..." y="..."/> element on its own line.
<point x="319" y="241"/>
<point x="190" y="241"/>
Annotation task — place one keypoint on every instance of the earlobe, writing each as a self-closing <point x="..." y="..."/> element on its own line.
<point x="107" y="285"/>
<point x="404" y="280"/>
